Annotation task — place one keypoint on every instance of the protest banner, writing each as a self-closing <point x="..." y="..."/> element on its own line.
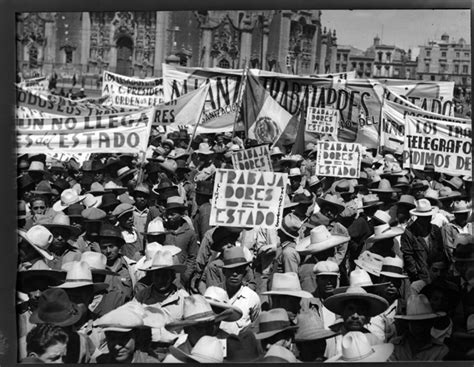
<point x="124" y="91"/>
<point x="248" y="199"/>
<point x="66" y="157"/>
<point x="57" y="105"/>
<point x="253" y="159"/>
<point x="39" y="84"/>
<point x="182" y="111"/>
<point x="338" y="159"/>
<point x="121" y="133"/>
<point x="22" y="112"/>
<point x="445" y="145"/>
<point x="322" y="120"/>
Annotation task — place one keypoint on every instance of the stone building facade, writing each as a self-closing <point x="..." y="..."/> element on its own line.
<point x="137" y="43"/>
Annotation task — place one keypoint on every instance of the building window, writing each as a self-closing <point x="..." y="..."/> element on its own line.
<point x="338" y="57"/>
<point x="380" y="56"/>
<point x="428" y="53"/>
<point x="466" y="54"/>
<point x="377" y="73"/>
<point x="433" y="78"/>
<point x="427" y="68"/>
<point x="354" y="65"/>
<point x="389" y="57"/>
<point x="465" y="69"/>
<point x="344" y="68"/>
<point x="396" y="72"/>
<point x="33" y="56"/>
<point x="345" y="57"/>
<point x="443" y="54"/>
<point x="458" y="55"/>
<point x="224" y="64"/>
<point x="456" y="69"/>
<point x="68" y="52"/>
<point x="408" y="74"/>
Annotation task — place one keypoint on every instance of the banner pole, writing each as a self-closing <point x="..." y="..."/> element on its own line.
<point x="197" y="123"/>
<point x="240" y="98"/>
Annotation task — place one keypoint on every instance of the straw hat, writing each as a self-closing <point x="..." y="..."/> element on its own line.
<point x="278" y="354"/>
<point x="151" y="249"/>
<point x="122" y="319"/>
<point x="80" y="275"/>
<point x="460" y="207"/>
<point x="291" y="225"/>
<point x="370" y="262"/>
<point x="314" y="180"/>
<point x="91" y="201"/>
<point x="39" y="237"/>
<point x="96" y="189"/>
<point x="68" y="197"/>
<point x="219" y="299"/>
<point x="169" y="165"/>
<point x="320" y="239"/>
<point x="208" y="349"/>
<point x="122" y="209"/>
<point x="407" y="200"/>
<point x="360" y="278"/>
<point x="454" y="183"/>
<point x="175" y="202"/>
<point x="97" y="263"/>
<point x="112" y="186"/>
<point x="205" y="149"/>
<point x="419" y="308"/>
<point x="357" y="348"/>
<point x="384" y="186"/>
<point x="333" y="200"/>
<point x="287" y="284"/>
<point x="55" y="307"/>
<point x="62" y="221"/>
<point x="423" y="208"/>
<point x="433" y="197"/>
<point x="392" y="267"/>
<point x="276" y="151"/>
<point x="273" y="322"/>
<point x="196" y="310"/>
<point x="124" y="172"/>
<point x="376" y="304"/>
<point x="294" y="172"/>
<point x="446" y="193"/>
<point x="155" y="227"/>
<point x="36" y="166"/>
<point x="326" y="267"/>
<point x="311" y="327"/>
<point x="402" y="181"/>
<point x="371" y="200"/>
<point x="384" y="231"/>
<point x="164" y="260"/>
<point x="93" y="215"/>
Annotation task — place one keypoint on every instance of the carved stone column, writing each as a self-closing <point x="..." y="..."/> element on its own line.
<point x="160" y="41"/>
<point x="49" y="55"/>
<point x="85" y="40"/>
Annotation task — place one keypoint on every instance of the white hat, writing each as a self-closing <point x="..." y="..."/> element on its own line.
<point x="36" y="166"/>
<point x="384" y="231"/>
<point x="204" y="148"/>
<point x="326" y="268"/>
<point x="320" y="239"/>
<point x="122" y="319"/>
<point x="276" y="151"/>
<point x="423" y="208"/>
<point x="156" y="227"/>
<point x="39" y="237"/>
<point x="68" y="197"/>
<point x="163" y="259"/>
<point x="419" y="308"/>
<point x="208" y="349"/>
<point x="278" y="353"/>
<point x="356" y="348"/>
<point x="460" y="206"/>
<point x="392" y="267"/>
<point x="91" y="201"/>
<point x="370" y="262"/>
<point x="287" y="284"/>
<point x="382" y="216"/>
<point x="294" y="172"/>
<point x="218" y="298"/>
<point x="80" y="275"/>
<point x="360" y="278"/>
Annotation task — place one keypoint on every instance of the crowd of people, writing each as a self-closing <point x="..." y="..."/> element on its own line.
<point x="118" y="262"/>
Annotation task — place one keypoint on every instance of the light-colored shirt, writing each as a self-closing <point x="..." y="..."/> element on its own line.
<point x="249" y="302"/>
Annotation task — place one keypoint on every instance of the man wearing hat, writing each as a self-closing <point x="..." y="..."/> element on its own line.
<point x="92" y="220"/>
<point x="416" y="344"/>
<point x="163" y="292"/>
<point x="143" y="212"/>
<point x="120" y="287"/>
<point x="275" y="328"/>
<point x="356" y="307"/>
<point x="234" y="268"/>
<point x="204" y="164"/>
<point x="421" y="243"/>
<point x="464" y="265"/>
<point x="327" y="278"/>
<point x="294" y="182"/>
<point x="287" y="258"/>
<point x="182" y="235"/>
<point x="459" y="224"/>
<point x="133" y="242"/>
<point x="203" y="201"/>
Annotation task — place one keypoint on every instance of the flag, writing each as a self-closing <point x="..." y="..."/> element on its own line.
<point x="265" y="120"/>
<point x="298" y="146"/>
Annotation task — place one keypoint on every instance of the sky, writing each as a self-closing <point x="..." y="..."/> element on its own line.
<point x="402" y="28"/>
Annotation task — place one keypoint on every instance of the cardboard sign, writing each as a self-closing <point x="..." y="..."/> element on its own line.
<point x="338" y="159"/>
<point x="445" y="145"/>
<point x="253" y="159"/>
<point x="130" y="92"/>
<point x="248" y="199"/>
<point x="123" y="133"/>
<point x="322" y="120"/>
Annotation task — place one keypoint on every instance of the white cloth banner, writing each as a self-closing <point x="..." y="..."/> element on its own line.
<point x="121" y="133"/>
<point x="322" y="121"/>
<point x="124" y="91"/>
<point x="338" y="159"/>
<point x="445" y="145"/>
<point x="248" y="199"/>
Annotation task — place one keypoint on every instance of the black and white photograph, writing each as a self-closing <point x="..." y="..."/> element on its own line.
<point x="242" y="186"/>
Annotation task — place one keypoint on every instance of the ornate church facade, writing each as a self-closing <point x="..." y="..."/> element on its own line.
<point x="137" y="43"/>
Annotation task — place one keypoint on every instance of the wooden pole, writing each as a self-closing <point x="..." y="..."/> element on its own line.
<point x="240" y="97"/>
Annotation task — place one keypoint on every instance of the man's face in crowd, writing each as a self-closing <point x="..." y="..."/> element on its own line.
<point x="437" y="271"/>
<point x="461" y="218"/>
<point x="295" y="182"/>
<point x="312" y="350"/>
<point x="162" y="279"/>
<point x="355" y="315"/>
<point x="403" y="213"/>
<point x="141" y="200"/>
<point x="82" y="296"/>
<point x="234" y="276"/>
<point x="36" y="176"/>
<point x="38" y="207"/>
<point x="121" y="345"/>
<point x="173" y="218"/>
<point x="77" y="222"/>
<point x="55" y="175"/>
<point x="111" y="249"/>
<point x="126" y="221"/>
<point x="289" y="303"/>
<point x="329" y="211"/>
<point x="60" y="237"/>
<point x="420" y="328"/>
<point x="326" y="284"/>
<point x="54" y="353"/>
<point x="392" y="291"/>
<point x="166" y="149"/>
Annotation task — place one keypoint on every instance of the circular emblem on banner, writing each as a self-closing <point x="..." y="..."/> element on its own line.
<point x="266" y="130"/>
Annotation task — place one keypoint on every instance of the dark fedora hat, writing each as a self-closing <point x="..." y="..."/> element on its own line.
<point x="109" y="200"/>
<point x="25" y="182"/>
<point x="234" y="257"/>
<point x="75" y="210"/>
<point x="39" y="277"/>
<point x="222" y="235"/>
<point x="96" y="166"/>
<point x="243" y="347"/>
<point x="55" y="307"/>
<point x="205" y="188"/>
<point x="110" y="231"/>
<point x="44" y="188"/>
<point x="60" y="184"/>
